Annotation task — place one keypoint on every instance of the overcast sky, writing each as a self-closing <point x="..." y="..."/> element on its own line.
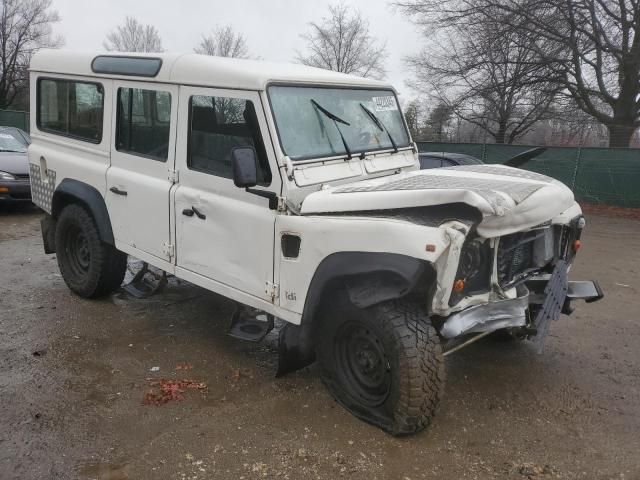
<point x="272" y="28"/>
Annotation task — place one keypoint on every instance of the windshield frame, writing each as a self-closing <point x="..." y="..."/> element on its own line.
<point x="355" y="153"/>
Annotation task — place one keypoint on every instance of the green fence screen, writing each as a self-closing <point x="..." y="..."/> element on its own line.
<point x="13" y="118"/>
<point x="608" y="176"/>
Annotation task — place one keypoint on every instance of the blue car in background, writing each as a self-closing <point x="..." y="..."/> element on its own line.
<point x="446" y="159"/>
<point x="450" y="159"/>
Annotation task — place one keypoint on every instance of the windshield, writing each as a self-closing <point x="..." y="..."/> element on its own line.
<point x="321" y="122"/>
<point x="8" y="143"/>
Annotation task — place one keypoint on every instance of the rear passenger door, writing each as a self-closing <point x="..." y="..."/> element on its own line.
<point x="140" y="176"/>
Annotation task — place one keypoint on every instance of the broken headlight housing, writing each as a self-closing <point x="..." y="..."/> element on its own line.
<point x="474" y="270"/>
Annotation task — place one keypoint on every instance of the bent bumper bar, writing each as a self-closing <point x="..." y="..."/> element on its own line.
<point x="512" y="313"/>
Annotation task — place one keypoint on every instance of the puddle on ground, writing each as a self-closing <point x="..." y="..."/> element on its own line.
<point x="104" y="471"/>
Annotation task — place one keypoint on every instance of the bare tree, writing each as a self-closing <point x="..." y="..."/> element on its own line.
<point x="133" y="37"/>
<point x="223" y="42"/>
<point x="342" y="42"/>
<point x="492" y="81"/>
<point x="590" y="47"/>
<point x="25" y="27"/>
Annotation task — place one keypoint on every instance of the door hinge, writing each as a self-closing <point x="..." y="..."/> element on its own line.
<point x="169" y="250"/>
<point x="282" y="204"/>
<point x="272" y="290"/>
<point x="173" y="176"/>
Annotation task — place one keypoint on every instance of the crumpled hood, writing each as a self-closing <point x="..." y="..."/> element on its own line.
<point x="509" y="199"/>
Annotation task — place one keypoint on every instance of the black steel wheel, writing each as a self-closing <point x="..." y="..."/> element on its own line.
<point x="361" y="362"/>
<point x="77" y="250"/>
<point x="89" y="267"/>
<point x="383" y="363"/>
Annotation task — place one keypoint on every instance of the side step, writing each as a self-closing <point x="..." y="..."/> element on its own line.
<point x="250" y="324"/>
<point x="146" y="282"/>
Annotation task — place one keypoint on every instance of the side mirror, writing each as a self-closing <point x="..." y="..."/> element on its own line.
<point x="244" y="162"/>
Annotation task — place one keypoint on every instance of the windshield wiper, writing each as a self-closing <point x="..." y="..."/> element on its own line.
<point x="336" y="119"/>
<point x="381" y="126"/>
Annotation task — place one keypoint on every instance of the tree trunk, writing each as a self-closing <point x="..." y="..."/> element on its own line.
<point x="620" y="134"/>
<point x="501" y="134"/>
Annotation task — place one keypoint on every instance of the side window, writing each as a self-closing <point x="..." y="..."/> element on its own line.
<point x="446" y="162"/>
<point x="143" y="123"/>
<point x="430" y="162"/>
<point x="70" y="108"/>
<point x="217" y="125"/>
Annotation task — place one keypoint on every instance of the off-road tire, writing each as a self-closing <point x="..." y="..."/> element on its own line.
<point x="89" y="267"/>
<point x="411" y="350"/>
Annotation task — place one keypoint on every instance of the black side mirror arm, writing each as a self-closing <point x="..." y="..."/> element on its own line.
<point x="272" y="196"/>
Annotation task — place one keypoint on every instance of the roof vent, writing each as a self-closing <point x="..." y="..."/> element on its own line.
<point x="119" y="65"/>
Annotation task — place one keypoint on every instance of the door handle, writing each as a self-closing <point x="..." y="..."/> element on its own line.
<point x="188" y="212"/>
<point x="117" y="191"/>
<point x="198" y="213"/>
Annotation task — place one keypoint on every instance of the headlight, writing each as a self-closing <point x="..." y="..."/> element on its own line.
<point x="6" y="176"/>
<point x="474" y="270"/>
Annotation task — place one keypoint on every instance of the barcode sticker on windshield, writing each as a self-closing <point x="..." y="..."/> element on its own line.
<point x="385" y="104"/>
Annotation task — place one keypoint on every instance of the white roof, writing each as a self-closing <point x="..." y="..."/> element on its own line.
<point x="194" y="69"/>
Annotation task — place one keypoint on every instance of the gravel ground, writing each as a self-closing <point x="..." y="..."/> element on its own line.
<point x="74" y="373"/>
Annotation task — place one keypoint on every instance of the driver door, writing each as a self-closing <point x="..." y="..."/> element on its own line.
<point x="224" y="235"/>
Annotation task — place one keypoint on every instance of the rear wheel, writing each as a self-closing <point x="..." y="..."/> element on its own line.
<point x="89" y="267"/>
<point x="383" y="363"/>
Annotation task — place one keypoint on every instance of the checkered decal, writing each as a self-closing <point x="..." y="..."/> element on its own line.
<point x="42" y="189"/>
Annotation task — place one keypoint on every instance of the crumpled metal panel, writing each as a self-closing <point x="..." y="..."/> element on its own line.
<point x="487" y="317"/>
<point x="502" y="170"/>
<point x="488" y="189"/>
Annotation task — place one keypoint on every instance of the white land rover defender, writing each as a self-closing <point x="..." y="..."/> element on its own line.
<point x="296" y="192"/>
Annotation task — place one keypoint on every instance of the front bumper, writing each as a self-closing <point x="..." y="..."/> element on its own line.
<point x="15" y="190"/>
<point x="539" y="300"/>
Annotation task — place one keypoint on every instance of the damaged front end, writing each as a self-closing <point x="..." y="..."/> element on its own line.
<point x="517" y="283"/>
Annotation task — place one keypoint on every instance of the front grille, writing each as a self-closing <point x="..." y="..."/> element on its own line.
<point x="515" y="255"/>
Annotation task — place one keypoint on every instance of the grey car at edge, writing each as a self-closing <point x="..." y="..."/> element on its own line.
<point x="14" y="165"/>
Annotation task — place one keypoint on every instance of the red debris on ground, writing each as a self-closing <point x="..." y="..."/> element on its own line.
<point x="238" y="374"/>
<point x="611" y="211"/>
<point x="184" y="366"/>
<point x="164" y="391"/>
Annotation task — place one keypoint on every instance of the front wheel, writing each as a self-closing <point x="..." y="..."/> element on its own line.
<point x="89" y="267"/>
<point x="383" y="363"/>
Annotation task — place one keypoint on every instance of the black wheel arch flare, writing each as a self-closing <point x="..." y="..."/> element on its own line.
<point x="369" y="278"/>
<point x="75" y="191"/>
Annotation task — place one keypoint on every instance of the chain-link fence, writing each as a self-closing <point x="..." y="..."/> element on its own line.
<point x="609" y="176"/>
<point x="13" y="118"/>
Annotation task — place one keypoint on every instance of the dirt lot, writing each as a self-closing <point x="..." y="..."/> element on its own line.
<point x="73" y="374"/>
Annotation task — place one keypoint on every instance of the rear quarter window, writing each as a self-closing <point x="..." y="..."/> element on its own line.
<point x="70" y="108"/>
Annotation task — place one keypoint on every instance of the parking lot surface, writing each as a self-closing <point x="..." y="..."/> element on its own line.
<point x="79" y="392"/>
